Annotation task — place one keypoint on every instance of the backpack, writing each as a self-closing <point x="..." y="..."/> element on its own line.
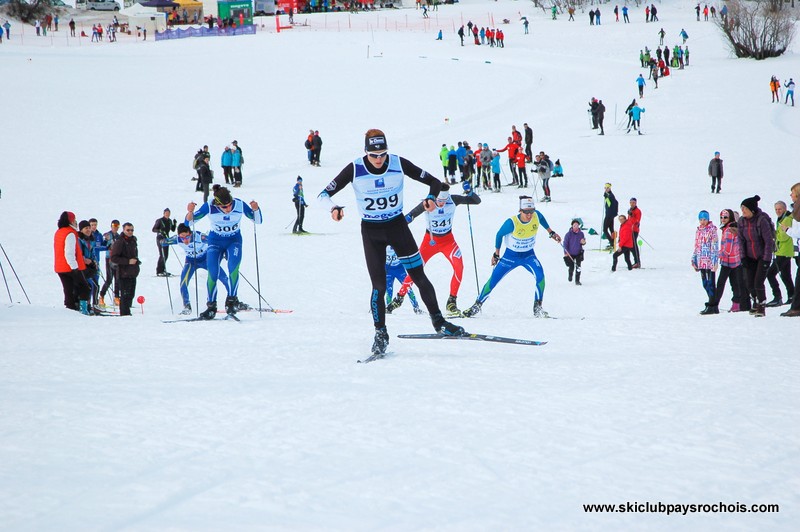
<point x="308" y="144"/>
<point x="197" y="158"/>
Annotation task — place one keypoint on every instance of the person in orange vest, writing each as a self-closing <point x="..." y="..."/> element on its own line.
<point x="774" y="86"/>
<point x="69" y="263"/>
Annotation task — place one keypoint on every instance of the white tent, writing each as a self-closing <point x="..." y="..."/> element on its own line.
<point x="148" y="18"/>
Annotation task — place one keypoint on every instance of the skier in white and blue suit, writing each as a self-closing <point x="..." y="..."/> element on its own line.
<point x="224" y="240"/>
<point x="377" y="179"/>
<point x="195" y="246"/>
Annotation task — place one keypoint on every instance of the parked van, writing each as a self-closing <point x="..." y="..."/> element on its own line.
<point x="102" y="5"/>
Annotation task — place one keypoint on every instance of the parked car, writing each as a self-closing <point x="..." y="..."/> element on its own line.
<point x="102" y="5"/>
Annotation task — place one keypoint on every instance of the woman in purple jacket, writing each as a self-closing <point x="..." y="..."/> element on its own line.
<point x="756" y="243"/>
<point x="573" y="250"/>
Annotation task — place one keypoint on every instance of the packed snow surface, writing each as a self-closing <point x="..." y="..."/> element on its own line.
<point x="269" y="424"/>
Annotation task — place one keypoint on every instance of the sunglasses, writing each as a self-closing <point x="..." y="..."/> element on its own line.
<point x="129" y="230"/>
<point x="377" y="155"/>
<point x="528" y="211"/>
<point x="223" y="205"/>
<point x="723" y="217"/>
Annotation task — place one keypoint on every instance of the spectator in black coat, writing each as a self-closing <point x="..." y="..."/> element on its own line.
<point x="125" y="254"/>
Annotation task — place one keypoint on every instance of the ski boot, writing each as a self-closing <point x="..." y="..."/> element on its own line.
<point x="187" y="309"/>
<point x="395" y="304"/>
<point x="381" y="341"/>
<point x="451" y="307"/>
<point x="473" y="310"/>
<point x="210" y="312"/>
<point x="538" y="312"/>
<point x="759" y="310"/>
<point x="710" y="309"/>
<point x="418" y="310"/>
<point x="578" y="277"/>
<point x="116" y="302"/>
<point x="101" y="302"/>
<point x="231" y="305"/>
<point x="84" y="305"/>
<point x="242" y="306"/>
<point x="446" y="328"/>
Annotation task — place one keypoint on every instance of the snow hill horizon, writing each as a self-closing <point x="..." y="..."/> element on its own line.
<point x="269" y="424"/>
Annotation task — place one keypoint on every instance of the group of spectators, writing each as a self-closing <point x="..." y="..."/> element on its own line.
<point x="313" y="146"/>
<point x="484" y="164"/>
<point x="231" y="161"/>
<point x="491" y="36"/>
<point x="77" y="247"/>
<point x="751" y="251"/>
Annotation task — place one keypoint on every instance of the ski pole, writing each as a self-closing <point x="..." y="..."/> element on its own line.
<point x="258" y="275"/>
<point x="646" y="242"/>
<point x="15" y="274"/>
<point x="10" y="299"/>
<point x="166" y="278"/>
<point x="270" y="307"/>
<point x="196" y="290"/>
<point x="472" y="241"/>
<point x="290" y="223"/>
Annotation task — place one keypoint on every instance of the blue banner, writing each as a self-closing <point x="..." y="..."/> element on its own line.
<point x="248" y="29"/>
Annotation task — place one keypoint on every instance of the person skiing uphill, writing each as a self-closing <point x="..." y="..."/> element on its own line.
<point x="195" y="246"/>
<point x="224" y="240"/>
<point x="439" y="239"/>
<point x="378" y="179"/>
<point x="519" y="234"/>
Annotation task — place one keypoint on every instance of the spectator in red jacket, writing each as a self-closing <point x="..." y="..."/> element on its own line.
<point x="636" y="215"/>
<point x="625" y="242"/>
<point x="512" y="148"/>
<point x="523" y="174"/>
<point x="516" y="136"/>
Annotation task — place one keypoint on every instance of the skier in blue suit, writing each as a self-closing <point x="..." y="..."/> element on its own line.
<point x="224" y="240"/>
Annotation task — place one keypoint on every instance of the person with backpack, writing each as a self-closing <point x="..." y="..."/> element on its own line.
<point x="198" y="159"/>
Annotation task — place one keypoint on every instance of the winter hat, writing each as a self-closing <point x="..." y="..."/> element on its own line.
<point x="83" y="224"/>
<point x="375" y="140"/>
<point x="608" y="185"/>
<point x="299" y="179"/>
<point x="751" y="203"/>
<point x="716" y="153"/>
<point x="66" y="219"/>
<point x="633" y="199"/>
<point x="703" y="215"/>
<point x="526" y="204"/>
<point x="730" y="214"/>
<point x="114" y="222"/>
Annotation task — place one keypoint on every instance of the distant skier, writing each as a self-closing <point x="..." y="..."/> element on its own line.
<point x="300" y="205"/>
<point x="636" y="115"/>
<point x="640" y="83"/>
<point x="789" y="91"/>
